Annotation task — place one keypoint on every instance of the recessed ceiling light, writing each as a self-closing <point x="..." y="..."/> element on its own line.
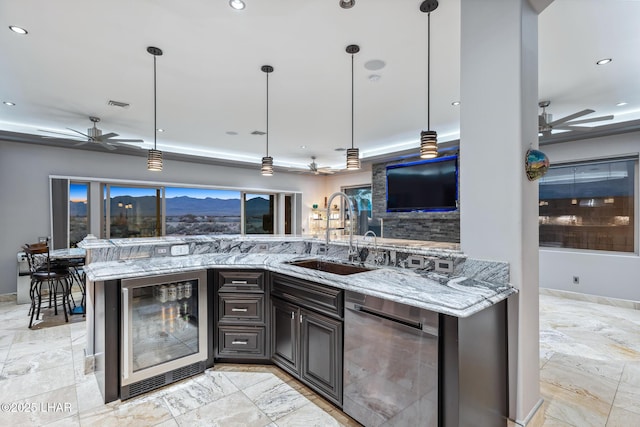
<point x="303" y="146"/>
<point x="9" y="103"/>
<point x="375" y="64"/>
<point x="18" y="30"/>
<point x="374" y="78"/>
<point x="231" y="132"/>
<point x="160" y="130"/>
<point x="347" y="4"/>
<point x="455" y="103"/>
<point x="604" y="61"/>
<point x="237" y="4"/>
<point x="621" y="104"/>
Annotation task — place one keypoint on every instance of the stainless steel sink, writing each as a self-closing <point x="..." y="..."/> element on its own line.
<point x="330" y="267"/>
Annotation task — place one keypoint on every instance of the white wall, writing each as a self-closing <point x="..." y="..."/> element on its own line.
<point x="24" y="188"/>
<point x="603" y="274"/>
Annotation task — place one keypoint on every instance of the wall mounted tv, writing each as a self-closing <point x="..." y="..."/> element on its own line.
<point x="428" y="185"/>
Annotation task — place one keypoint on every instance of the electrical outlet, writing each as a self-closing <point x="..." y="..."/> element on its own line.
<point x="262" y="247"/>
<point x="443" y="265"/>
<point x="576" y="280"/>
<point x="414" y="261"/>
<point x="179" y="250"/>
<point x="163" y="250"/>
<point x="392" y="257"/>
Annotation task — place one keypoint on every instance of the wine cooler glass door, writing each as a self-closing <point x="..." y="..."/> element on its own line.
<point x="163" y="324"/>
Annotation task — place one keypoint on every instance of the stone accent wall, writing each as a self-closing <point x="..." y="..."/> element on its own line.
<point x="434" y="226"/>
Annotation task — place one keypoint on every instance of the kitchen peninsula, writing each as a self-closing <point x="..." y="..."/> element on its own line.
<point x="255" y="304"/>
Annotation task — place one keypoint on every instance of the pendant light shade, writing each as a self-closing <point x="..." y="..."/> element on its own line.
<point x="267" y="161"/>
<point x="428" y="144"/>
<point x="154" y="160"/>
<point x="154" y="157"/>
<point x="428" y="138"/>
<point x="353" y="154"/>
<point x="267" y="166"/>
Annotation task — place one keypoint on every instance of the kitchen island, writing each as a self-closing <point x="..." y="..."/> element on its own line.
<point x="468" y="301"/>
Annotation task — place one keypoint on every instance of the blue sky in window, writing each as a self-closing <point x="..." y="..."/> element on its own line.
<point x="201" y="193"/>
<point x="78" y="192"/>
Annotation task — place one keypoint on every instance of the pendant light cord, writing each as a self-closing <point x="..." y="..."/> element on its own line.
<point x="352" y="97"/>
<point x="155" y="114"/>
<point x="429" y="71"/>
<point x="267" y="114"/>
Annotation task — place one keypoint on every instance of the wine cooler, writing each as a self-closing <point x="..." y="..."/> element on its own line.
<point x="163" y="330"/>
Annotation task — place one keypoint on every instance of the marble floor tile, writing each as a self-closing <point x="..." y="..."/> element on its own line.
<point x="308" y="415"/>
<point x="589" y="370"/>
<point x="622" y="418"/>
<point x="275" y="398"/>
<point x="235" y="410"/>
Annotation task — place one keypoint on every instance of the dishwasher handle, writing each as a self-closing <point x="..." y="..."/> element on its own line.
<point x="388" y="316"/>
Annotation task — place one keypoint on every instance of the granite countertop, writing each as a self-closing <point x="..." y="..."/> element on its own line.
<point x="459" y="296"/>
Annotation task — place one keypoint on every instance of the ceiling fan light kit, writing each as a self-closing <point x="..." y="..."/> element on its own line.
<point x="154" y="157"/>
<point x="428" y="138"/>
<point x="353" y="154"/>
<point x="267" y="161"/>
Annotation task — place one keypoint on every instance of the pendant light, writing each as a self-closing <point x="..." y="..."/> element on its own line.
<point x="353" y="154"/>
<point x="428" y="138"/>
<point x="267" y="161"/>
<point x="154" y="158"/>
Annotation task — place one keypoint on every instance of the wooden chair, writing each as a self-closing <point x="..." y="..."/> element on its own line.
<point x="55" y="279"/>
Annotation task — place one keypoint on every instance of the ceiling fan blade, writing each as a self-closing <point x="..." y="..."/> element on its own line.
<point x="569" y="126"/>
<point x="83" y="134"/>
<point x="77" y="144"/>
<point x="57" y="133"/>
<point x="125" y="140"/>
<point x="107" y="145"/>
<point x="571" y="117"/>
<point x="591" y="120"/>
<point x="108" y="135"/>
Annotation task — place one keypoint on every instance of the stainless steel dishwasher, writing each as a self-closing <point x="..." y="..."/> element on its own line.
<point x="390" y="363"/>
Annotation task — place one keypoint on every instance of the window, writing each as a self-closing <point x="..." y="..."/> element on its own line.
<point x="133" y="211"/>
<point x="78" y="212"/>
<point x="193" y="211"/>
<point x="259" y="213"/>
<point x="589" y="205"/>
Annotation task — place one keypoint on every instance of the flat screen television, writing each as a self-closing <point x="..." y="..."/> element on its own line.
<point x="428" y="185"/>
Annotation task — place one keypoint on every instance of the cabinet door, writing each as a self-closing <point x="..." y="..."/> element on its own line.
<point x="284" y="335"/>
<point x="321" y="354"/>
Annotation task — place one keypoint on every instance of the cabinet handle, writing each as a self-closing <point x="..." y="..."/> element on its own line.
<point x="239" y="282"/>
<point x="241" y="309"/>
<point x="125" y="332"/>
<point x="301" y="319"/>
<point x="240" y="342"/>
<point x="293" y="315"/>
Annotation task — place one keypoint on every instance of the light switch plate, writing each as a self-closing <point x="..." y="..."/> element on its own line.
<point x="179" y="250"/>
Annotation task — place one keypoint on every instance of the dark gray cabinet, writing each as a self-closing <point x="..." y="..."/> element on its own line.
<point x="241" y="325"/>
<point x="307" y="333"/>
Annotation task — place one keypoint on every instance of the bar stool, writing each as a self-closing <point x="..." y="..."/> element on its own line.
<point x="57" y="281"/>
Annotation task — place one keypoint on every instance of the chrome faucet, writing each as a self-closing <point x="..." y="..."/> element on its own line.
<point x="352" y="252"/>
<point x="377" y="260"/>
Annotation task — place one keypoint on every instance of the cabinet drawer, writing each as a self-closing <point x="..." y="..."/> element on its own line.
<point x="240" y="280"/>
<point x="240" y="342"/>
<point x="240" y="308"/>
<point x="324" y="299"/>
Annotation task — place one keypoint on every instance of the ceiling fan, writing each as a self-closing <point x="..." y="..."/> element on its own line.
<point x="313" y="167"/>
<point x="94" y="135"/>
<point x="546" y="124"/>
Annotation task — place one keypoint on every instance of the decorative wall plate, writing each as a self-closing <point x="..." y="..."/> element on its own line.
<point x="536" y="164"/>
